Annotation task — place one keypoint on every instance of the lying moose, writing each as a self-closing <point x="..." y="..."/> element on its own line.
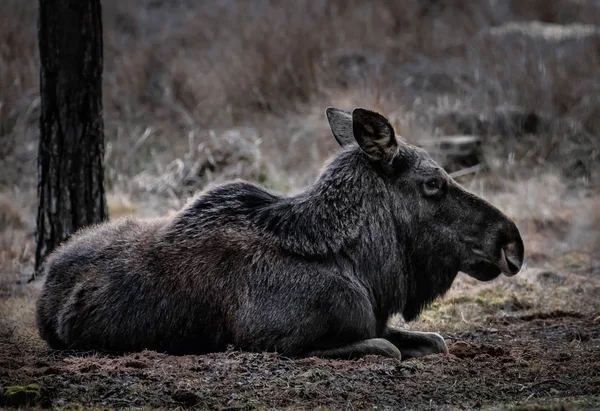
<point x="383" y="231"/>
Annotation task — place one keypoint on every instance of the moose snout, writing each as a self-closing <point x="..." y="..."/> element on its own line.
<point x="511" y="255"/>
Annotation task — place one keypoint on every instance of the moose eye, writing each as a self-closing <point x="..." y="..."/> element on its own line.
<point x="432" y="186"/>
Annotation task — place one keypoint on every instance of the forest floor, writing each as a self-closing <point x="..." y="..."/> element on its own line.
<point x="547" y="359"/>
<point x="536" y="361"/>
<point x="527" y="342"/>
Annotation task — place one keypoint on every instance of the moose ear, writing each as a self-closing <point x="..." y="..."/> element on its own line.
<point x="340" y="122"/>
<point x="373" y="133"/>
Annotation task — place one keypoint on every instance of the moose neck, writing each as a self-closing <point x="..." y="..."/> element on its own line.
<point x="331" y="214"/>
<point x="346" y="216"/>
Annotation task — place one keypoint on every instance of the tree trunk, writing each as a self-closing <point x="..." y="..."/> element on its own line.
<point x="71" y="147"/>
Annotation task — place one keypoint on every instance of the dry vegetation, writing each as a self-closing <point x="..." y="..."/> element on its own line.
<point x="201" y="92"/>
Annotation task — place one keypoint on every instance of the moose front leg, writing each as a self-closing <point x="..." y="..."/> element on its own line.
<point x="414" y="344"/>
<point x="373" y="346"/>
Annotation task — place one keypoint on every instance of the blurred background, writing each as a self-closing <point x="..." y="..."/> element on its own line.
<point x="504" y="94"/>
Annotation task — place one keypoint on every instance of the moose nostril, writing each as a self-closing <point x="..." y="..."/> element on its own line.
<point x="513" y="255"/>
<point x="512" y="266"/>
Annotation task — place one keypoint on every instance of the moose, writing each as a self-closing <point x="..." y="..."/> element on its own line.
<point x="383" y="231"/>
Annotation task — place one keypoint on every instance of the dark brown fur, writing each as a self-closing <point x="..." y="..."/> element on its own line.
<point x="383" y="230"/>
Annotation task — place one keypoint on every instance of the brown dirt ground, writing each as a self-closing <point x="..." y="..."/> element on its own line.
<point x="518" y="359"/>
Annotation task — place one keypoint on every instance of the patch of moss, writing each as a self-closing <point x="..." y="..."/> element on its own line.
<point x="71" y="407"/>
<point x="485" y="302"/>
<point x="263" y="176"/>
<point x="24" y="395"/>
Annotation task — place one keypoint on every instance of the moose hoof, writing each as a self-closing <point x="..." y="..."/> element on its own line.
<point x="381" y="346"/>
<point x="438" y="344"/>
<point x="431" y="343"/>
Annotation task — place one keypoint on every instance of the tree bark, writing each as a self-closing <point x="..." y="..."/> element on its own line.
<point x="71" y="146"/>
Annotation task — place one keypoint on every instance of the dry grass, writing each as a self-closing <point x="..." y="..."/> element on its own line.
<point x="175" y="69"/>
<point x="17" y="247"/>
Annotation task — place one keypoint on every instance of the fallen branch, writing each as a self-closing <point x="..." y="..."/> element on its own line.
<point x="465" y="171"/>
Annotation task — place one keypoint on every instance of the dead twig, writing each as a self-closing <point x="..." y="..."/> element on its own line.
<point x="465" y="171"/>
